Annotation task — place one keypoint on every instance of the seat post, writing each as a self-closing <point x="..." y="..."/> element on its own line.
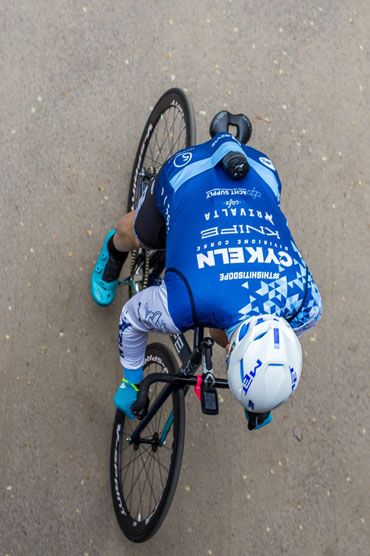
<point x="198" y="336"/>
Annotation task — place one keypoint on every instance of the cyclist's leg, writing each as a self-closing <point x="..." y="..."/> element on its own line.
<point x="105" y="275"/>
<point x="145" y="312"/>
<point x="145" y="227"/>
<point x="219" y="336"/>
<point x="125" y="239"/>
<point x="149" y="226"/>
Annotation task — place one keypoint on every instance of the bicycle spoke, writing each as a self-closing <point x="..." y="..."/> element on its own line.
<point x="146" y="478"/>
<point x="128" y="498"/>
<point x="153" y="473"/>
<point x="162" y="465"/>
<point x="137" y="512"/>
<point x="173" y="127"/>
<point x="155" y="133"/>
<point x="134" y="459"/>
<point x="160" y="471"/>
<point x="167" y="130"/>
<point x="152" y="153"/>
<point x="156" y="162"/>
<point x="150" y="483"/>
<point x="168" y="135"/>
<point x="175" y="144"/>
<point x="178" y="140"/>
<point x="166" y="447"/>
<point x="134" y="483"/>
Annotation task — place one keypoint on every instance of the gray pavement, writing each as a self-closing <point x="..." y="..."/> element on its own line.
<point x="77" y="82"/>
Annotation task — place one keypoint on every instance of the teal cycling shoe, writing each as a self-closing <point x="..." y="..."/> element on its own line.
<point x="103" y="292"/>
<point x="257" y="420"/>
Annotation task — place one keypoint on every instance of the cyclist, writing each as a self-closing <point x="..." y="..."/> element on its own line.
<point x="231" y="265"/>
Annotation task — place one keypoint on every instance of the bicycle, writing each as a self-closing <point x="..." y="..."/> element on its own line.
<point x="146" y="453"/>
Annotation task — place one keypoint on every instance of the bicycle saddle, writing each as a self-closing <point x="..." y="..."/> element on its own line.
<point x="223" y="120"/>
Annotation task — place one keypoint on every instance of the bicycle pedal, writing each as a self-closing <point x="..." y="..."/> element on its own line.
<point x="209" y="401"/>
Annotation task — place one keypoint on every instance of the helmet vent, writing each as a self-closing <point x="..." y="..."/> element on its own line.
<point x="260" y="335"/>
<point x="243" y="331"/>
<point x="241" y="369"/>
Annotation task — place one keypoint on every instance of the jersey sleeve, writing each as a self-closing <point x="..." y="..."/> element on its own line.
<point x="265" y="169"/>
<point x="163" y="190"/>
<point x="311" y="310"/>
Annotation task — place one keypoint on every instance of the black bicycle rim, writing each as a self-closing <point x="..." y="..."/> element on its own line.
<point x="137" y="523"/>
<point x="169" y="128"/>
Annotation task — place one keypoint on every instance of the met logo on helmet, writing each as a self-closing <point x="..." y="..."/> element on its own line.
<point x="248" y="378"/>
<point x="294" y="378"/>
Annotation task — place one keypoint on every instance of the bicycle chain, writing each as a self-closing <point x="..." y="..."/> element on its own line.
<point x="146" y="266"/>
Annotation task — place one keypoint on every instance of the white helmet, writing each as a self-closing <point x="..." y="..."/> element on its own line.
<point x="264" y="363"/>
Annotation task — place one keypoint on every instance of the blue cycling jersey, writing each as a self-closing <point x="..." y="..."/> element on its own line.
<point x="229" y="252"/>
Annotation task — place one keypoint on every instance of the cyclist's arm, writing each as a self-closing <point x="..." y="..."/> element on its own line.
<point x="219" y="336"/>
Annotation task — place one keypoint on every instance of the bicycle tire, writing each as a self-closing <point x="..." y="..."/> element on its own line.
<point x="164" y="117"/>
<point x="173" y="98"/>
<point x="141" y="527"/>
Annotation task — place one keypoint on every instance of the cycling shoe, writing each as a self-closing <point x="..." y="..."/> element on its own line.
<point x="103" y="292"/>
<point x="257" y="420"/>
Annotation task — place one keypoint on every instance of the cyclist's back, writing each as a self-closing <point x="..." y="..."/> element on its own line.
<point x="229" y="251"/>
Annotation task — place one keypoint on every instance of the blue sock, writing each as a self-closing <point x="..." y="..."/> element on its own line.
<point x="134" y="375"/>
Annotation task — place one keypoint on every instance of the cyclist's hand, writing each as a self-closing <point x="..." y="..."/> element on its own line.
<point x="125" y="396"/>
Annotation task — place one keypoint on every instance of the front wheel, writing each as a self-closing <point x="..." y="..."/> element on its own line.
<point x="144" y="475"/>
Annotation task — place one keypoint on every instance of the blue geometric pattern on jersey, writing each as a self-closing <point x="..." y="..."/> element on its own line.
<point x="281" y="297"/>
<point x="311" y="311"/>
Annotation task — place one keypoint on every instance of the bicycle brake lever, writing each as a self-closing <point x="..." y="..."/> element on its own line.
<point x="140" y="408"/>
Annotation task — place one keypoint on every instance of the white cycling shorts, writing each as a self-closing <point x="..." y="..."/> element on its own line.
<point x="146" y="312"/>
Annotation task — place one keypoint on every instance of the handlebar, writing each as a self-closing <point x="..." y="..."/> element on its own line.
<point x="224" y="119"/>
<point x="178" y="380"/>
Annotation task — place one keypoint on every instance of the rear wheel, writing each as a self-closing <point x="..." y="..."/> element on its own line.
<point x="170" y="128"/>
<point x="144" y="475"/>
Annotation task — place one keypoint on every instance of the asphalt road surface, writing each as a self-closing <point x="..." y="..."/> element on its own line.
<point x="78" y="78"/>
